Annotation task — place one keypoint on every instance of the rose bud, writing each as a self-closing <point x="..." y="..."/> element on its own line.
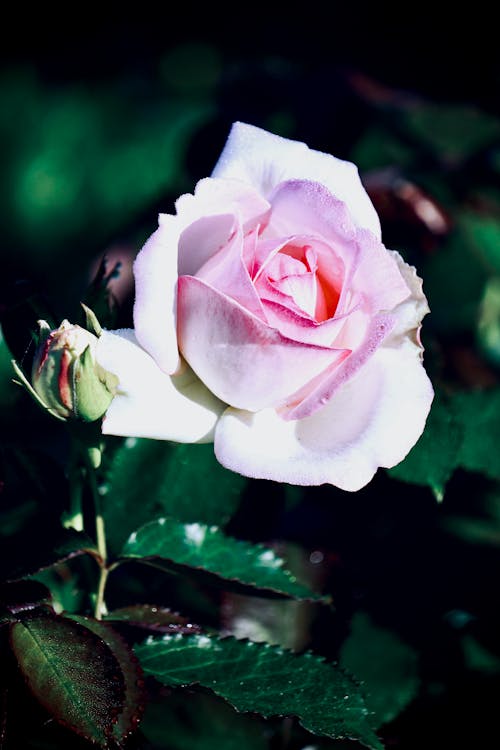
<point x="67" y="377"/>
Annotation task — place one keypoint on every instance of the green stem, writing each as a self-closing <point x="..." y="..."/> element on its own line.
<point x="100" y="604"/>
<point x="99" y="516"/>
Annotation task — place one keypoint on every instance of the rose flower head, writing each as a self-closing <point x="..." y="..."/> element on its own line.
<point x="270" y="319"/>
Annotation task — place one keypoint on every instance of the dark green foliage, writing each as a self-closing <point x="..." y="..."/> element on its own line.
<point x="182" y="481"/>
<point x="387" y="668"/>
<point x="264" y="679"/>
<point x="207" y="548"/>
<point x="201" y="722"/>
<point x="81" y="160"/>
<point x="463" y="430"/>
<point x="95" y="145"/>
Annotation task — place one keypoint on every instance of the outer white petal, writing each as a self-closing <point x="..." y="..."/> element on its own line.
<point x="372" y="421"/>
<point x="263" y="160"/>
<point x="155" y="271"/>
<point x="151" y="403"/>
<point x="409" y="313"/>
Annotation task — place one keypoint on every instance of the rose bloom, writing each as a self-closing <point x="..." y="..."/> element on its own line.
<point x="270" y="319"/>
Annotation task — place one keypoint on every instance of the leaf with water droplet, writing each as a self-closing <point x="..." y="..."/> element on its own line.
<point x="152" y="617"/>
<point x="264" y="679"/>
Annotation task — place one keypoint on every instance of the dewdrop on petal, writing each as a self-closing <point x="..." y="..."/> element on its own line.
<point x="66" y="376"/>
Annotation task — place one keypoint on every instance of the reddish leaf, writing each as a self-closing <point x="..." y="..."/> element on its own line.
<point x="71" y="671"/>
<point x="133" y="707"/>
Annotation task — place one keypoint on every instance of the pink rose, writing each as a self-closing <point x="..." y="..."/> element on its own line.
<point x="298" y="327"/>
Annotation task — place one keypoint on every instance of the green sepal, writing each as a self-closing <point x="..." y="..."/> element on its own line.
<point x="91" y="320"/>
<point x="91" y="392"/>
<point x="24" y="383"/>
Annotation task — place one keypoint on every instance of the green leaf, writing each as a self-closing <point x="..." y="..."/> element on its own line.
<point x="182" y="481"/>
<point x="434" y="458"/>
<point x="134" y="152"/>
<point x="455" y="278"/>
<point x="71" y="672"/>
<point x="483" y="233"/>
<point x="264" y="679"/>
<point x="207" y="548"/>
<point x="378" y="148"/>
<point x="66" y="587"/>
<point x="463" y="430"/>
<point x="386" y="666"/>
<point x="129" y="717"/>
<point x="201" y="722"/>
<point x="479" y="415"/>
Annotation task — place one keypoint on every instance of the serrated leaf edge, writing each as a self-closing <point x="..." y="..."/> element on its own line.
<point x="279" y="563"/>
<point x="139" y="708"/>
<point x="309" y="655"/>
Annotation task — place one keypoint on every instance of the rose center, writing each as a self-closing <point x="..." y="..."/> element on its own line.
<point x="294" y="278"/>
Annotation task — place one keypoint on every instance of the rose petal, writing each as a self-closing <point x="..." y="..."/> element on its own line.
<point x="155" y="271"/>
<point x="213" y="196"/>
<point x="241" y="359"/>
<point x="298" y="253"/>
<point x="306" y="207"/>
<point x="303" y="206"/>
<point x="410" y="312"/>
<point x="150" y="403"/>
<point x="372" y="421"/>
<point x="211" y="215"/>
<point x="182" y="244"/>
<point x="203" y="239"/>
<point x="311" y="397"/>
<point x="294" y="325"/>
<point x="264" y="160"/>
<point x="227" y="272"/>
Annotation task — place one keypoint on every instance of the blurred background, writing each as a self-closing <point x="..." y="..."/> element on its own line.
<point x="106" y="117"/>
